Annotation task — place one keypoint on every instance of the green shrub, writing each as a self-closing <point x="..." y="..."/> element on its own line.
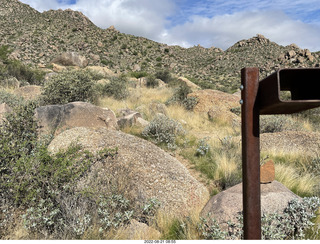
<point x="164" y="75"/>
<point x="180" y="96"/>
<point x="117" y="88"/>
<point x="18" y="135"/>
<point x="277" y="123"/>
<point x="236" y="110"/>
<point x="190" y="102"/>
<point x="163" y="130"/>
<point x="152" y="82"/>
<point x="25" y="73"/>
<point x="70" y="86"/>
<point x="11" y="100"/>
<point x="203" y="148"/>
<point x="139" y="74"/>
<point x="114" y="211"/>
<point x="292" y="224"/>
<point x="15" y="68"/>
<point x="4" y="53"/>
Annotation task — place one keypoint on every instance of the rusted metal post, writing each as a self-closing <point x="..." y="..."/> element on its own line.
<point x="250" y="154"/>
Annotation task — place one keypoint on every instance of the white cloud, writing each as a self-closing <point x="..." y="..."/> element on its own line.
<point x="223" y="31"/>
<point x="139" y="17"/>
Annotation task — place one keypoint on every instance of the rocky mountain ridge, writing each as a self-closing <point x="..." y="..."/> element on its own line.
<point x="37" y="38"/>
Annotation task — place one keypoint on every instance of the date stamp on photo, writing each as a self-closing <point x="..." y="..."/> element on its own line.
<point x="160" y="241"/>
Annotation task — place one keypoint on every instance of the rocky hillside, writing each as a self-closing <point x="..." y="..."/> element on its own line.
<point x="38" y="38"/>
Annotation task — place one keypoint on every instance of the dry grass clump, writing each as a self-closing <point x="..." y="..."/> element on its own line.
<point x="301" y="184"/>
<point x="295" y="170"/>
<point x="137" y="97"/>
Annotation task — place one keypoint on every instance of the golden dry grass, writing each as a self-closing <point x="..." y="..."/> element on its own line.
<point x="301" y="184"/>
<point x="137" y="98"/>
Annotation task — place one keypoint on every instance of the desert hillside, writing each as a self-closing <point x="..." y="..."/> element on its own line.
<point x="105" y="135"/>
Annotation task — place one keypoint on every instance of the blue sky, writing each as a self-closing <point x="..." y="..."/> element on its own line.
<point x="218" y="23"/>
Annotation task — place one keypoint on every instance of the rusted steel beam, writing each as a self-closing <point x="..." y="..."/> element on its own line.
<point x="250" y="154"/>
<point x="303" y="84"/>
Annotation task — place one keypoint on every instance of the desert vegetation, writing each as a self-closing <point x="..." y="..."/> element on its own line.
<point x="45" y="195"/>
<point x="37" y="187"/>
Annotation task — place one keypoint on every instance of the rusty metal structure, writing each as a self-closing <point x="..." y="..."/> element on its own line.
<point x="260" y="98"/>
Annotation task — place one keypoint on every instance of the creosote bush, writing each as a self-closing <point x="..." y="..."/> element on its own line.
<point x="71" y="86"/>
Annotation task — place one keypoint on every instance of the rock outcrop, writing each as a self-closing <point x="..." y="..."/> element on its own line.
<point x="267" y="172"/>
<point x="216" y="104"/>
<point x="226" y="205"/>
<point x="148" y="171"/>
<point x="57" y="118"/>
<point x="291" y="141"/>
<point x="131" y="118"/>
<point x="71" y="59"/>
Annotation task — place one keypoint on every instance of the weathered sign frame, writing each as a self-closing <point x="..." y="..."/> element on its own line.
<point x="264" y="97"/>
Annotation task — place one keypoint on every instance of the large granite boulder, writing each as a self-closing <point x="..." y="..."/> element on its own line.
<point x="147" y="170"/>
<point x="226" y="205"/>
<point x="71" y="59"/>
<point x="57" y="118"/>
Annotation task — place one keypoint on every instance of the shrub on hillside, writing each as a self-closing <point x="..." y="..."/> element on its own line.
<point x="164" y="75"/>
<point x="11" y="100"/>
<point x="180" y="96"/>
<point x="18" y="135"/>
<point x="138" y="74"/>
<point x="152" y="82"/>
<point x="163" y="130"/>
<point x="117" y="88"/>
<point x="277" y="123"/>
<point x="15" y="68"/>
<point x="70" y="86"/>
<point x="25" y="73"/>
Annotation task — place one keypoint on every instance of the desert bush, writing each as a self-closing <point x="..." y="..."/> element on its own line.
<point x="11" y="100"/>
<point x="4" y="53"/>
<point x="163" y="130"/>
<point x="203" y="147"/>
<point x="15" y="68"/>
<point x="164" y="75"/>
<point x="292" y="224"/>
<point x="117" y="88"/>
<point x="25" y="73"/>
<point x="236" y="110"/>
<point x="152" y="82"/>
<point x="139" y="74"/>
<point x="277" y="123"/>
<point x="180" y="96"/>
<point x="70" y="86"/>
<point x="114" y="211"/>
<point x="18" y="135"/>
